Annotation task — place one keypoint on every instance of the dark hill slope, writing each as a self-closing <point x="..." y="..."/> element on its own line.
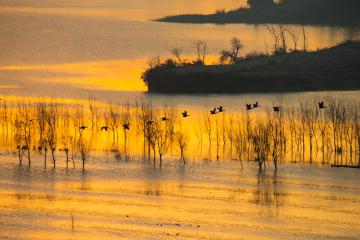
<point x="336" y="68"/>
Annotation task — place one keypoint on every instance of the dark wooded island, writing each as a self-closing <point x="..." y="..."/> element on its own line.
<point x="335" y="68"/>
<point x="310" y="12"/>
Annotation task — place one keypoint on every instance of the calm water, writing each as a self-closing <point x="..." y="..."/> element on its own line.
<point x="207" y="200"/>
<point x="73" y="50"/>
<point x="106" y="44"/>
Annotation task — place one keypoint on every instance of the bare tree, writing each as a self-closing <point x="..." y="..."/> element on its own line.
<point x="240" y="142"/>
<point x="165" y="131"/>
<point x="310" y="114"/>
<point x="26" y="125"/>
<point x="294" y="37"/>
<point x="145" y="114"/>
<point x="232" y="55"/>
<point x="126" y="122"/>
<point x="182" y="139"/>
<point x="305" y="39"/>
<point x="279" y="37"/>
<point x="230" y="133"/>
<point x="84" y="148"/>
<point x="201" y="51"/>
<point x="282" y="30"/>
<point x="261" y="142"/>
<point x="177" y="52"/>
<point x="65" y="134"/>
<point x="51" y="133"/>
<point x="42" y="125"/>
<point x="208" y="127"/>
<point x="114" y="122"/>
<point x="274" y="35"/>
<point x="94" y="113"/>
<point x="18" y="136"/>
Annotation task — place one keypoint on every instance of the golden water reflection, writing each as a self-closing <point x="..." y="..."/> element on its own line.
<point x="209" y="201"/>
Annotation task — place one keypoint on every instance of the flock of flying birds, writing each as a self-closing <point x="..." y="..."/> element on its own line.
<point x="214" y="111"/>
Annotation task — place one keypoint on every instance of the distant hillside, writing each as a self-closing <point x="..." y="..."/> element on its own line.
<point x="336" y="68"/>
<point x="319" y="12"/>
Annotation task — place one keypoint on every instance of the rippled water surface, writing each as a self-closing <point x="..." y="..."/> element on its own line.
<point x="207" y="200"/>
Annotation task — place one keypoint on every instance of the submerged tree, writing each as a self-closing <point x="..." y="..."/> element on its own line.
<point x="18" y="137"/>
<point x="182" y="139"/>
<point x="41" y="117"/>
<point x="84" y="148"/>
<point x="126" y="122"/>
<point x="261" y="143"/>
<point x="51" y="133"/>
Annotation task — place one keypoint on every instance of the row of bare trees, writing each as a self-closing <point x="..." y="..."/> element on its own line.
<point x="284" y="38"/>
<point x="44" y="128"/>
<point x="295" y="132"/>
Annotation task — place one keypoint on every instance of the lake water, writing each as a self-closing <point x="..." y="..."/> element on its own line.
<point x="76" y="49"/>
<point x="208" y="200"/>
<point x="56" y="45"/>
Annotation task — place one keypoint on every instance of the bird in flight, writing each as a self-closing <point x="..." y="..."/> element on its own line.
<point x="185" y="114"/>
<point x="276" y="109"/>
<point x="221" y="109"/>
<point x="322" y="105"/>
<point x="248" y="107"/>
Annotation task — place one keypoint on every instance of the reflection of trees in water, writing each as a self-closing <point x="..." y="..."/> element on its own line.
<point x="267" y="192"/>
<point x="152" y="183"/>
<point x="152" y="188"/>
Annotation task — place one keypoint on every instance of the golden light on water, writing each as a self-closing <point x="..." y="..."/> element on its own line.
<point x="84" y="60"/>
<point x="113" y="75"/>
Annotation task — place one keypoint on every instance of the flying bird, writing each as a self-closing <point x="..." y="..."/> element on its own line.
<point x="149" y="122"/>
<point x="126" y="126"/>
<point x="256" y="105"/>
<point x="164" y="119"/>
<point x="104" y="128"/>
<point x="83" y="127"/>
<point x="322" y="105"/>
<point x="213" y="112"/>
<point x="185" y="114"/>
<point x="248" y="107"/>
<point x="276" y="109"/>
<point x="221" y="109"/>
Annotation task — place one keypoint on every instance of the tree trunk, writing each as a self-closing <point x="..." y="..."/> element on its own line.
<point x="53" y="158"/>
<point x="67" y="159"/>
<point x="45" y="155"/>
<point x="19" y="155"/>
<point x="28" y="155"/>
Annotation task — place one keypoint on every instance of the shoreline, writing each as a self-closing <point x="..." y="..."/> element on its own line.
<point x="288" y="12"/>
<point x="332" y="69"/>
